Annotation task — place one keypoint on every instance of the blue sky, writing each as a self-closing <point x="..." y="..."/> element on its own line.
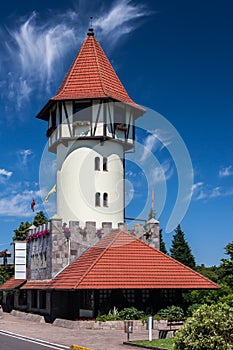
<point x="173" y="57"/>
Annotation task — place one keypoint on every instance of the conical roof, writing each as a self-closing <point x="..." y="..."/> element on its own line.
<point x="120" y="260"/>
<point x="91" y="76"/>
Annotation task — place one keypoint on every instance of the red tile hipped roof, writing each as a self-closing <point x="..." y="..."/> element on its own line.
<point x="12" y="283"/>
<point x="121" y="260"/>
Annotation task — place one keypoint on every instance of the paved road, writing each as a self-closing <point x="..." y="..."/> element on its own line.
<point x="93" y="339"/>
<point x="12" y="341"/>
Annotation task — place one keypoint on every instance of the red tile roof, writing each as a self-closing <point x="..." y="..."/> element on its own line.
<point x="91" y="76"/>
<point x="121" y="260"/>
<point x="12" y="283"/>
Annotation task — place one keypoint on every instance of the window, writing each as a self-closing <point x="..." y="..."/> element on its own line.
<point x="97" y="199"/>
<point x="97" y="163"/>
<point x="105" y="165"/>
<point x="82" y="111"/>
<point x="105" y="199"/>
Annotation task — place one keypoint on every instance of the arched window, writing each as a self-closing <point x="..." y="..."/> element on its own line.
<point x="97" y="199"/>
<point x="97" y="163"/>
<point x="105" y="164"/>
<point x="105" y="199"/>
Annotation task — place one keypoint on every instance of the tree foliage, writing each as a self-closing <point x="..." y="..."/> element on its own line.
<point x="163" y="248"/>
<point x="4" y="276"/>
<point x="21" y="231"/>
<point x="210" y="328"/>
<point x="208" y="297"/>
<point x="172" y="313"/>
<point x="180" y="249"/>
<point x="40" y="219"/>
<point x="212" y="272"/>
<point x="226" y="267"/>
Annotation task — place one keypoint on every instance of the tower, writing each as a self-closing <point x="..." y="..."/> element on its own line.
<point x="90" y="127"/>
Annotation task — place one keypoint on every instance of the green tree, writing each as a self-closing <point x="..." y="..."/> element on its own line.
<point x="226" y="267"/>
<point x="40" y="218"/>
<point x="21" y="231"/>
<point x="162" y="244"/>
<point x="211" y="272"/>
<point x="209" y="297"/>
<point x="4" y="276"/>
<point x="180" y="249"/>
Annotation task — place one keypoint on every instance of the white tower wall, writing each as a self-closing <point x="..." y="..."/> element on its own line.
<point x="78" y="182"/>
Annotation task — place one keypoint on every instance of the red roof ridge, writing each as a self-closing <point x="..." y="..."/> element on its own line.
<point x="100" y="255"/>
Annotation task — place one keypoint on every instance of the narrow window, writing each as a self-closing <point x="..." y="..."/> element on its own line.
<point x="105" y="165"/>
<point x="105" y="199"/>
<point x="97" y="163"/>
<point x="97" y="199"/>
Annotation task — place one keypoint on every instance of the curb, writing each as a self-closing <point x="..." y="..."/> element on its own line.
<point x="142" y="346"/>
<point x="77" y="347"/>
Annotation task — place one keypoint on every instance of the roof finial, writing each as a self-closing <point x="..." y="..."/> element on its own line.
<point x="90" y="30"/>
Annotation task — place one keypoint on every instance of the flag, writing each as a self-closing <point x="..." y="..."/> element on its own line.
<point x="33" y="203"/>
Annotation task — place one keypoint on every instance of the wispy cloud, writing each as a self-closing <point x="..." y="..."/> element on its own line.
<point x="24" y="155"/>
<point x="37" y="49"/>
<point x="34" y="48"/>
<point x="163" y="172"/>
<point x="226" y="171"/>
<point x="122" y="18"/>
<point x="201" y="191"/>
<point x="157" y="139"/>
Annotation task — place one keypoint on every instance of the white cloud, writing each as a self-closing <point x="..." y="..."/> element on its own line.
<point x="226" y="171"/>
<point x="121" y="19"/>
<point x="201" y="191"/>
<point x="18" y="204"/>
<point x="38" y="49"/>
<point x="24" y="155"/>
<point x="5" y="173"/>
<point x="35" y="49"/>
<point x="157" y="139"/>
<point x="162" y="173"/>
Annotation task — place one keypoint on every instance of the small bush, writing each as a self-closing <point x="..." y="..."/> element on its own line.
<point x="131" y="313"/>
<point x="172" y="313"/>
<point x="210" y="328"/>
<point x="112" y="315"/>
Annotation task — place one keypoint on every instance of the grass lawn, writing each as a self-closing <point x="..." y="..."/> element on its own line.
<point x="157" y="343"/>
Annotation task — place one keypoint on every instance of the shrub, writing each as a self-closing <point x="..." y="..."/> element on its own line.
<point x="172" y="313"/>
<point x="210" y="328"/>
<point x="131" y="313"/>
<point x="191" y="309"/>
<point x="112" y="315"/>
<point x="228" y="299"/>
